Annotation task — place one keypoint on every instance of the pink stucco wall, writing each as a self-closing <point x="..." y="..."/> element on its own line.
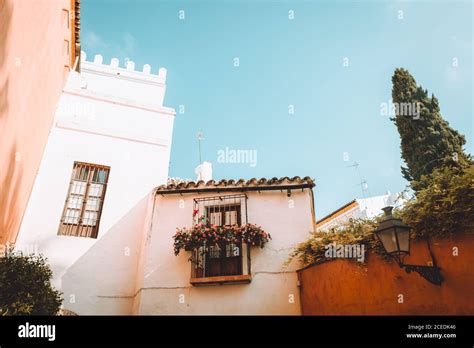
<point x="34" y="63"/>
<point x="163" y="281"/>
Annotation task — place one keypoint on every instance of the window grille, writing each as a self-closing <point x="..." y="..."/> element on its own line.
<point x="223" y="259"/>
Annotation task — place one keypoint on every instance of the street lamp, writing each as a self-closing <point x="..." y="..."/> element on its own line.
<point x="394" y="235"/>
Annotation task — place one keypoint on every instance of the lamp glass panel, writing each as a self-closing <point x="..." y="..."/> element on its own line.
<point x="388" y="240"/>
<point x="404" y="239"/>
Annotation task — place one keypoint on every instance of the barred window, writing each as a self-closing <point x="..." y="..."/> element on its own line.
<point x="83" y="207"/>
<point x="223" y="259"/>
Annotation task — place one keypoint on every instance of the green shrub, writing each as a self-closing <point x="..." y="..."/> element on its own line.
<point x="445" y="206"/>
<point x="354" y="231"/>
<point x="25" y="286"/>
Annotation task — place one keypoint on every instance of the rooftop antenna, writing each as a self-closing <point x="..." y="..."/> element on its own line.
<point x="200" y="136"/>
<point x="363" y="183"/>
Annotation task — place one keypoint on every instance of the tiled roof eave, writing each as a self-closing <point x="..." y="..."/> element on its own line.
<point x="237" y="186"/>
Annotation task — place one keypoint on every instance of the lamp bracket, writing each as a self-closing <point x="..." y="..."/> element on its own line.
<point x="430" y="273"/>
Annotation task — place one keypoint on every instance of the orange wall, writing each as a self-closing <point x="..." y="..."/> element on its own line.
<point x="34" y="63"/>
<point x="341" y="287"/>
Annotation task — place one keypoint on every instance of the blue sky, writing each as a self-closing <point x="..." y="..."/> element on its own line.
<point x="298" y="62"/>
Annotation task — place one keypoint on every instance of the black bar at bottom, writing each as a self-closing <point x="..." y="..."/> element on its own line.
<point x="140" y="330"/>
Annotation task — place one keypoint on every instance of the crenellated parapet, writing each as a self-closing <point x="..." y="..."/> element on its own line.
<point x="126" y="84"/>
<point x="97" y="64"/>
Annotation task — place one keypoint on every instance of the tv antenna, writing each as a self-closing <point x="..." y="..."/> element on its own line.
<point x="200" y="137"/>
<point x="363" y="183"/>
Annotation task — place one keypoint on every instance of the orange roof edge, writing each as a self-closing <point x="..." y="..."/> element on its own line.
<point x="337" y="212"/>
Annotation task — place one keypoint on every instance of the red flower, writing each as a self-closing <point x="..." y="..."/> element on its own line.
<point x="195" y="212"/>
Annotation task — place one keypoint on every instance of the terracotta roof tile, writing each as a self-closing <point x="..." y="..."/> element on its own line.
<point x="273" y="183"/>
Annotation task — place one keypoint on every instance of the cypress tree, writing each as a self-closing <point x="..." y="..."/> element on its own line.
<point x="427" y="140"/>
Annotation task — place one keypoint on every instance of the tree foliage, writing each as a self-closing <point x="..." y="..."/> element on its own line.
<point x="444" y="205"/>
<point x="439" y="171"/>
<point x="25" y="286"/>
<point x="427" y="140"/>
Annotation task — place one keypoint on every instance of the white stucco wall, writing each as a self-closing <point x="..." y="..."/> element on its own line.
<point x="353" y="213"/>
<point x="366" y="208"/>
<point x="114" y="117"/>
<point x="164" y="278"/>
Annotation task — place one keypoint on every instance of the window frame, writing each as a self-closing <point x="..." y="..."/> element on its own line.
<point x="199" y="272"/>
<point x="76" y="229"/>
<point x="224" y="260"/>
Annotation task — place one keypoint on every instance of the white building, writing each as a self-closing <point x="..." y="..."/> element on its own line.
<point x="363" y="208"/>
<point x="108" y="148"/>
<point x="252" y="280"/>
<point x="107" y="232"/>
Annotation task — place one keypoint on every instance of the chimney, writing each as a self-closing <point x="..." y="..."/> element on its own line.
<point x="204" y="171"/>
